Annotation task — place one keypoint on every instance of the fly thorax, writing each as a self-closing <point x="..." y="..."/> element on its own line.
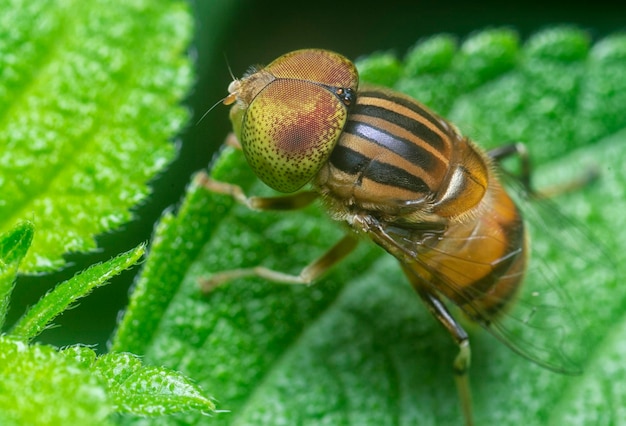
<point x="465" y="184"/>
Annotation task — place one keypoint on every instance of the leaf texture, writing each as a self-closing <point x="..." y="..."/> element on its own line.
<point x="89" y="103"/>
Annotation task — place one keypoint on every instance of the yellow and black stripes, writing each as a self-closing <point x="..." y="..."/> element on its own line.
<point x="408" y="114"/>
<point x="356" y="163"/>
<point x="393" y="144"/>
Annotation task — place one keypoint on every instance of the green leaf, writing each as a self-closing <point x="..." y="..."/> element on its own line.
<point x="89" y="100"/>
<point x="174" y="243"/>
<point x="73" y="386"/>
<point x="147" y="390"/>
<point x="13" y="247"/>
<point x="40" y="386"/>
<point x="586" y="402"/>
<point x="380" y="68"/>
<point x="358" y="347"/>
<point x="37" y="318"/>
<point x="44" y="386"/>
<point x="142" y="390"/>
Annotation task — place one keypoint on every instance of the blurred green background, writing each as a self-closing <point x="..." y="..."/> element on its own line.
<point x="240" y="33"/>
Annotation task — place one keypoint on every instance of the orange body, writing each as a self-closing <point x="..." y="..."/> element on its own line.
<point x="434" y="197"/>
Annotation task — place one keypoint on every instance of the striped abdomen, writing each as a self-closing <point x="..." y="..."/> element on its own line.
<point x="394" y="152"/>
<point x="404" y="167"/>
<point x="477" y="263"/>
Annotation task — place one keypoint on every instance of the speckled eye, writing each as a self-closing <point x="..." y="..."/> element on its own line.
<point x="289" y="115"/>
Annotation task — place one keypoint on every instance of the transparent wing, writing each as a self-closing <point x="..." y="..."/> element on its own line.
<point x="565" y="259"/>
<point x="541" y="323"/>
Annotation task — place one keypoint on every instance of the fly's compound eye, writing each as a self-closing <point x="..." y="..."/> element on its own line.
<point x="293" y="123"/>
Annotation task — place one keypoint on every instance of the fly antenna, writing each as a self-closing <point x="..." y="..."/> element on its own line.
<point x="230" y="70"/>
<point x="211" y="109"/>
<point x="224" y="99"/>
<point x="227" y="100"/>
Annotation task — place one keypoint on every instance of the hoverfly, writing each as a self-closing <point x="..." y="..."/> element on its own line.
<point x="400" y="175"/>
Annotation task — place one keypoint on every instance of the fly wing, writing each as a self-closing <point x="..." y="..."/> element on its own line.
<point x="540" y="324"/>
<point x="563" y="257"/>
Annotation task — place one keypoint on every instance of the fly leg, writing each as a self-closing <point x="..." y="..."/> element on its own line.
<point x="232" y="141"/>
<point x="290" y="202"/>
<point x="309" y="273"/>
<point x="461" y="363"/>
<point x="519" y="150"/>
<point x="295" y="201"/>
